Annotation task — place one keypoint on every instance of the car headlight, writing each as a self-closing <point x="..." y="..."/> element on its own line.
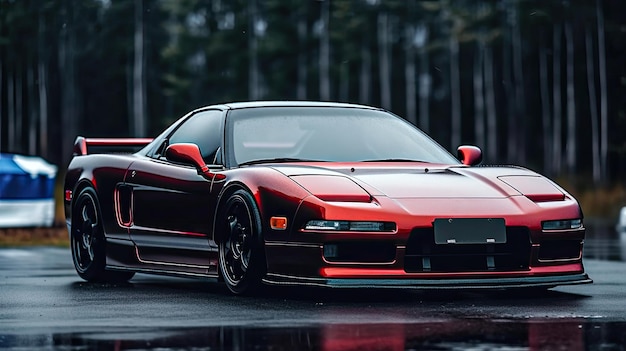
<point x="563" y="224"/>
<point x="352" y="226"/>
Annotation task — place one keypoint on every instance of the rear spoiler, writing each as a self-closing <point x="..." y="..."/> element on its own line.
<point x="82" y="144"/>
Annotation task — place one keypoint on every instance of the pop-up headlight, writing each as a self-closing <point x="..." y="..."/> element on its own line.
<point x="536" y="188"/>
<point x="333" y="188"/>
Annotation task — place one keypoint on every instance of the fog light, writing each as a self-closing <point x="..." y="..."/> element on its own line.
<point x="331" y="250"/>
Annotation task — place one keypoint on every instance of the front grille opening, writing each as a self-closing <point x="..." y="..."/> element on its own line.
<point x="366" y="252"/>
<point x="560" y="250"/>
<point x="423" y="255"/>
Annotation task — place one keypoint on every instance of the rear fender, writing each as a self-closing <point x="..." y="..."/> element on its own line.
<point x="102" y="172"/>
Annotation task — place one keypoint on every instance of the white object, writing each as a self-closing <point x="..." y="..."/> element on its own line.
<point x="26" y="213"/>
<point x="621" y="222"/>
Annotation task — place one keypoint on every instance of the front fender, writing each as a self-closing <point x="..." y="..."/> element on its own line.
<point x="275" y="195"/>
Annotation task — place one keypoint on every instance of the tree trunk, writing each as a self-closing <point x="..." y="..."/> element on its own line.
<point x="545" y="110"/>
<point x="479" y="97"/>
<point x="139" y="91"/>
<point x="19" y="109"/>
<point x="492" y="116"/>
<point x="384" y="60"/>
<point x="603" y="93"/>
<point x="570" y="145"/>
<point x="69" y="110"/>
<point x="344" y="81"/>
<point x="518" y="77"/>
<point x="301" y="90"/>
<point x="11" y="110"/>
<point x="43" y="110"/>
<point x="556" y="100"/>
<point x="409" y="74"/>
<point x="365" y="76"/>
<point x="509" y="88"/>
<point x="455" y="92"/>
<point x="593" y="108"/>
<point x="31" y="109"/>
<point x="42" y="74"/>
<point x="253" y="65"/>
<point x="325" y="52"/>
<point x="424" y="80"/>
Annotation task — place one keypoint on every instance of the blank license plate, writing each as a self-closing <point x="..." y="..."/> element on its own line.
<point x="469" y="231"/>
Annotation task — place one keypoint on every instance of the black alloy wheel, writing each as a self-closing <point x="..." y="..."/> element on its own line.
<point x="87" y="241"/>
<point x="242" y="258"/>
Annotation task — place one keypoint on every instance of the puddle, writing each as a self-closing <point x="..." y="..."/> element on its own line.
<point x="455" y="334"/>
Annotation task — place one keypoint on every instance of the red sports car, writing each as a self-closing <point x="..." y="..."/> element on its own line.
<point x="314" y="193"/>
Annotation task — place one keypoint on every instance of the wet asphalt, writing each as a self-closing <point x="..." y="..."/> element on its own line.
<point x="45" y="305"/>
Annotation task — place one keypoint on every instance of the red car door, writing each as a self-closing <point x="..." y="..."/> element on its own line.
<point x="170" y="205"/>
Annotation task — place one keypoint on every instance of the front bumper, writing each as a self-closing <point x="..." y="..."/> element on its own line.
<point x="306" y="264"/>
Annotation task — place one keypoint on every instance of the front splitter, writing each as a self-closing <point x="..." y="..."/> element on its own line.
<point x="477" y="283"/>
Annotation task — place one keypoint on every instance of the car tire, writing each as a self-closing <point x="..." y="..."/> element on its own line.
<point x="87" y="241"/>
<point x="241" y="251"/>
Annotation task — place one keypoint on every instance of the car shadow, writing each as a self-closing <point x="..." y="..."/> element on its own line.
<point x="361" y="295"/>
<point x="204" y="289"/>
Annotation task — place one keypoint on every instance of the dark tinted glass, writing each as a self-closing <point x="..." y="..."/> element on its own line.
<point x="203" y="129"/>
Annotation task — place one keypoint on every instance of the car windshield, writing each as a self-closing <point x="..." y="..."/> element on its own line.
<point x="333" y="134"/>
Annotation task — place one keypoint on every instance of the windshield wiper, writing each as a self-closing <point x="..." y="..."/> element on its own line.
<point x="395" y="160"/>
<point x="276" y="160"/>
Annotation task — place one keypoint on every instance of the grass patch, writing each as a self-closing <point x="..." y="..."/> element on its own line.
<point x="598" y="202"/>
<point x="53" y="236"/>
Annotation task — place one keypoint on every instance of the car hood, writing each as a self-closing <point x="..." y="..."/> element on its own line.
<point x="441" y="183"/>
<point x="417" y="180"/>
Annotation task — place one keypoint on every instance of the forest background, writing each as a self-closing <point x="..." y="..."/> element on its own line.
<point x="535" y="83"/>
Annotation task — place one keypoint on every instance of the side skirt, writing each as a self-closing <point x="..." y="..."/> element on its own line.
<point x="123" y="255"/>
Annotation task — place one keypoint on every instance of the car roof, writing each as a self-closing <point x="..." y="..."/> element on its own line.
<point x="254" y="104"/>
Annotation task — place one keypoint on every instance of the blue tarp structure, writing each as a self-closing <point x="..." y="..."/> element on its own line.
<point x="26" y="191"/>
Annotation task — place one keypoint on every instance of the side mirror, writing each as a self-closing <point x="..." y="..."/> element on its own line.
<point x="190" y="154"/>
<point x="469" y="155"/>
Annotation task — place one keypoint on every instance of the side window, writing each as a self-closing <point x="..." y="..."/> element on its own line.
<point x="203" y="129"/>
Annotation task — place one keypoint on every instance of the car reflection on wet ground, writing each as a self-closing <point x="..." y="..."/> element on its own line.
<point x="434" y="335"/>
<point x="44" y="305"/>
<point x="452" y="334"/>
